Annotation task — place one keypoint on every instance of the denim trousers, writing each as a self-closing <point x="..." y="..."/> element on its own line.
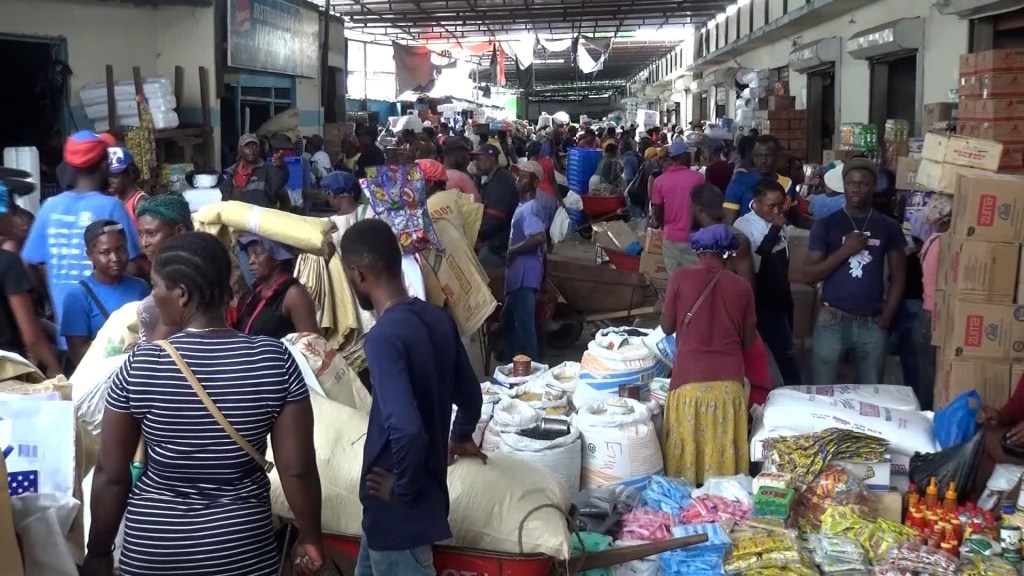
<point x="775" y="326"/>
<point x="925" y="360"/>
<point x="838" y="332"/>
<point x="519" y="323"/>
<point x="906" y="342"/>
<point x="415" y="562"/>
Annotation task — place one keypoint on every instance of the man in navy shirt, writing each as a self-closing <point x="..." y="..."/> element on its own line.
<point x="418" y="369"/>
<point x="848" y="252"/>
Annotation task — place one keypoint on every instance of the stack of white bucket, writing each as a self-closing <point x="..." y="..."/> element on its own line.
<point x="159" y="93"/>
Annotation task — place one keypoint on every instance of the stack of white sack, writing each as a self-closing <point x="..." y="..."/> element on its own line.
<point x="861" y="408"/>
<point x="488" y="502"/>
<point x="621" y="442"/>
<point x="615" y="357"/>
<point x="159" y="93"/>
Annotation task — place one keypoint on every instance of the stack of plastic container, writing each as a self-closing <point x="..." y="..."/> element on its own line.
<point x="582" y="165"/>
<point x="159" y="93"/>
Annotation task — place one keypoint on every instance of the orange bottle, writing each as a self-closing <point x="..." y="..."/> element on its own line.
<point x="949" y="502"/>
<point x="931" y="493"/>
<point x="913" y="497"/>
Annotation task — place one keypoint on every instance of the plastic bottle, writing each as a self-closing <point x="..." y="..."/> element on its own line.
<point x="913" y="497"/>
<point x="931" y="493"/>
<point x="949" y="502"/>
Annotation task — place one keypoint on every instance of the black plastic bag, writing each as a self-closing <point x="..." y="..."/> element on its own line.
<point x="954" y="464"/>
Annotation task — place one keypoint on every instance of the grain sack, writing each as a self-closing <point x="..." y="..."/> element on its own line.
<point x="13" y="366"/>
<point x="620" y="443"/>
<point x="89" y="386"/>
<point x="562" y="457"/>
<point x="461" y="209"/>
<point x="491" y="395"/>
<point x="907" y="432"/>
<point x="227" y="220"/>
<point x="564" y="376"/>
<point x="616" y="356"/>
<point x="338" y="381"/>
<point x="898" y="397"/>
<point x="487" y="501"/>
<point x="455" y="271"/>
<point x="510" y="415"/>
<point x="503" y="375"/>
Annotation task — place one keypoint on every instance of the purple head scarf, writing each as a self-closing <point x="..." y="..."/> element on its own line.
<point x="717" y="238"/>
<point x="277" y="251"/>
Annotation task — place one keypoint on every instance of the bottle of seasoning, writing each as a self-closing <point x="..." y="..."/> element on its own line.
<point x="1009" y="536"/>
<point x="931" y="493"/>
<point x="949" y="502"/>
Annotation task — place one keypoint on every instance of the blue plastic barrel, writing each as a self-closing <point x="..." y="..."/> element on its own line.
<point x="295" y="175"/>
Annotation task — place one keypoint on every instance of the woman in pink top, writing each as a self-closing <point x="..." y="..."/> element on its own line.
<point x="456" y="162"/>
<point x="937" y="214"/>
<point x="670" y="207"/>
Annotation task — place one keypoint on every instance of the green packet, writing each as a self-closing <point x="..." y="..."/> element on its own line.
<point x="772" y="502"/>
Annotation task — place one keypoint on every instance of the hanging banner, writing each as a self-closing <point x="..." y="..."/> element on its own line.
<point x="273" y="36"/>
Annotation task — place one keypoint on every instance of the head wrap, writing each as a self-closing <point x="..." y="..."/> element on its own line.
<point x="340" y="184"/>
<point x="433" y="171"/>
<point x="276" y="250"/>
<point x="86" y="148"/>
<point x="939" y="208"/>
<point x="119" y="159"/>
<point x="717" y="238"/>
<point x="101" y="227"/>
<point x="170" y="209"/>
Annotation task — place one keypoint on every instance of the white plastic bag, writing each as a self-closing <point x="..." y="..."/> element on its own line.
<point x="738" y="488"/>
<point x="573" y="201"/>
<point x="620" y="443"/>
<point x="559" y="226"/>
<point x="510" y="415"/>
<point x="89" y="390"/>
<point x="562" y="457"/>
<point x="41" y="435"/>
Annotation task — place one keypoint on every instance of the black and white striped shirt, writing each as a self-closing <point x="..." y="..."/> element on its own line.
<point x="203" y="505"/>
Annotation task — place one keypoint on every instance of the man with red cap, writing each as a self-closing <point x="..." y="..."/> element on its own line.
<point x="55" y="242"/>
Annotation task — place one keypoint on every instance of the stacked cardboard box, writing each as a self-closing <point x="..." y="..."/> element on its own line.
<point x="978" y="323"/>
<point x="945" y="158"/>
<point x="992" y="102"/>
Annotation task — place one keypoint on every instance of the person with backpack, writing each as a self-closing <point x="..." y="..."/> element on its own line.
<point x="638" y="189"/>
<point x="89" y="303"/>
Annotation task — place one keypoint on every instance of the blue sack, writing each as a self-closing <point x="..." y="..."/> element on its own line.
<point x="956" y="424"/>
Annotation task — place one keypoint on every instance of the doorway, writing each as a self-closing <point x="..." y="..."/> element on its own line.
<point x="249" y="100"/>
<point x="894" y="90"/>
<point x="821" y="117"/>
<point x="33" y="105"/>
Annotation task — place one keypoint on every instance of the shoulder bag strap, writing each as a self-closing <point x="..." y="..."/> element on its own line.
<point x="214" y="411"/>
<point x="95" y="299"/>
<point x="696" y="305"/>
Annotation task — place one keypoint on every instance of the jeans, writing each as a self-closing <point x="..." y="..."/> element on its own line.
<point x="519" y="323"/>
<point x="925" y="360"/>
<point x="414" y="562"/>
<point x="835" y="334"/>
<point x="776" y="328"/>
<point x="243" y="265"/>
<point x="907" y="342"/>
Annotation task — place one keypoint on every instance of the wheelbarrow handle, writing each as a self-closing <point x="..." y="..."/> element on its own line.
<point x="613" y="557"/>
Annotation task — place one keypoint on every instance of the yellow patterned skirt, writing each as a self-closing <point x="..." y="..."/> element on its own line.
<point x="705" y="431"/>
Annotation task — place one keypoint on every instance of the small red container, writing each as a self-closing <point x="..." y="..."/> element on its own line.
<point x="621" y="260"/>
<point x="600" y="206"/>
<point x="449" y="561"/>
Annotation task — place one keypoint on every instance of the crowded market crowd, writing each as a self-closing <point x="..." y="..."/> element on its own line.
<point x="726" y="211"/>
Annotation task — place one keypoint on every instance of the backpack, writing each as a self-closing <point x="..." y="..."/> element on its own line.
<point x="636" y="191"/>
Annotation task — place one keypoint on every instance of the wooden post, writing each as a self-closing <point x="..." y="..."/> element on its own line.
<point x="179" y="85"/>
<point x="204" y="103"/>
<point x="140" y="91"/>
<point x="111" y="100"/>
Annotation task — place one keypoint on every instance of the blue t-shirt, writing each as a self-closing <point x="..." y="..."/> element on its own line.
<point x="56" y="241"/>
<point x="82" y="315"/>
<point x="740" y="192"/>
<point x="526" y="270"/>
<point x="858" y="286"/>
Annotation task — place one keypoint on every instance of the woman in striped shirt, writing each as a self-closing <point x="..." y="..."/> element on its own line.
<point x="202" y="506"/>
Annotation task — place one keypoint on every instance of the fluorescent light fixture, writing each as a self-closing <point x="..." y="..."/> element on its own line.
<point x="720" y="17"/>
<point x="549" y="61"/>
<point x="732" y="9"/>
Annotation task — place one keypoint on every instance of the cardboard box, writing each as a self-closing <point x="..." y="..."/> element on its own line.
<point x="939" y="316"/>
<point x="981" y="330"/>
<point x="1016" y="374"/>
<point x="938" y="112"/>
<point x="968" y="64"/>
<point x="983" y="271"/>
<point x="615" y="235"/>
<point x="829" y="156"/>
<point x="1009" y="85"/>
<point x="653" y="240"/>
<point x="967" y="129"/>
<point x="970" y="88"/>
<point x="906" y="173"/>
<point x="967" y="152"/>
<point x="998" y="61"/>
<point x="1005" y="131"/>
<point x="992" y="110"/>
<point x="942" y="177"/>
<point x="1013" y="157"/>
<point x="989" y="207"/>
<point x="781" y="102"/>
<point x="888" y="505"/>
<point x="955" y="376"/>
<point x="653" y="265"/>
<point x="876" y="475"/>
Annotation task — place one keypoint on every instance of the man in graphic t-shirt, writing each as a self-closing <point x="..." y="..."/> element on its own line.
<point x="848" y="252"/>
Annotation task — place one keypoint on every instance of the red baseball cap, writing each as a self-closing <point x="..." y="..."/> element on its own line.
<point x="86" y="148"/>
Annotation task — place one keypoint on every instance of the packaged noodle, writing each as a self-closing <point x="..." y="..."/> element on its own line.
<point x="760" y="549"/>
<point x="922" y="559"/>
<point x="974" y="565"/>
<point x="877" y="537"/>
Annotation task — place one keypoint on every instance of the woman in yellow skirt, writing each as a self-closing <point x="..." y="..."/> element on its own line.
<point x="711" y="312"/>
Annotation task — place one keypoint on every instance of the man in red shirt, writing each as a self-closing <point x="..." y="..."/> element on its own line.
<point x="670" y="207"/>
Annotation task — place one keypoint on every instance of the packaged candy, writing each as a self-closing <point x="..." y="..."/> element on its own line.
<point x="835" y="486"/>
<point x="975" y="565"/>
<point x="773" y="502"/>
<point x="806" y="455"/>
<point x="700" y="560"/>
<point x="646" y="525"/>
<point x="837" y="553"/>
<point x="670" y="495"/>
<point x="922" y="559"/>
<point x="876" y="536"/>
<point x="706" y="509"/>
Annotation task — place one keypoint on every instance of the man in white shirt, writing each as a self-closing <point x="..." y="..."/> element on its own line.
<point x="319" y="161"/>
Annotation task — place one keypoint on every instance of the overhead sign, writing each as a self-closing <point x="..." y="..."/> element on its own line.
<point x="273" y="36"/>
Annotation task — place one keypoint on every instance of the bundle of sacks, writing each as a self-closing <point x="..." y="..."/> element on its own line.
<point x="618" y="356"/>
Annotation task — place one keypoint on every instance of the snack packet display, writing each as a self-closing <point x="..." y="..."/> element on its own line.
<point x="706" y="509"/>
<point x="837" y="553"/>
<point x="700" y="560"/>
<point x="670" y="495"/>
<point x="887" y="570"/>
<point x="761" y="549"/>
<point x="398" y="195"/>
<point x="646" y="525"/>
<point x="922" y="559"/>
<point x="805" y="456"/>
<point x="835" y="486"/>
<point x="974" y="565"/>
<point x="876" y="536"/>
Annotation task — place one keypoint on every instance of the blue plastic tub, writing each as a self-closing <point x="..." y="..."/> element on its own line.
<point x="296" y="180"/>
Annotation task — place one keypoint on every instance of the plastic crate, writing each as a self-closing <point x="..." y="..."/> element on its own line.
<point x="581" y="167"/>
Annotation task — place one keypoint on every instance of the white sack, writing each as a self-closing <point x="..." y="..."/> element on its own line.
<point x="510" y="415"/>
<point x="41" y="434"/>
<point x="562" y="457"/>
<point x="89" y="389"/>
<point x="154" y="88"/>
<point x="620" y="443"/>
<point x="42" y="522"/>
<point x="898" y="397"/>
